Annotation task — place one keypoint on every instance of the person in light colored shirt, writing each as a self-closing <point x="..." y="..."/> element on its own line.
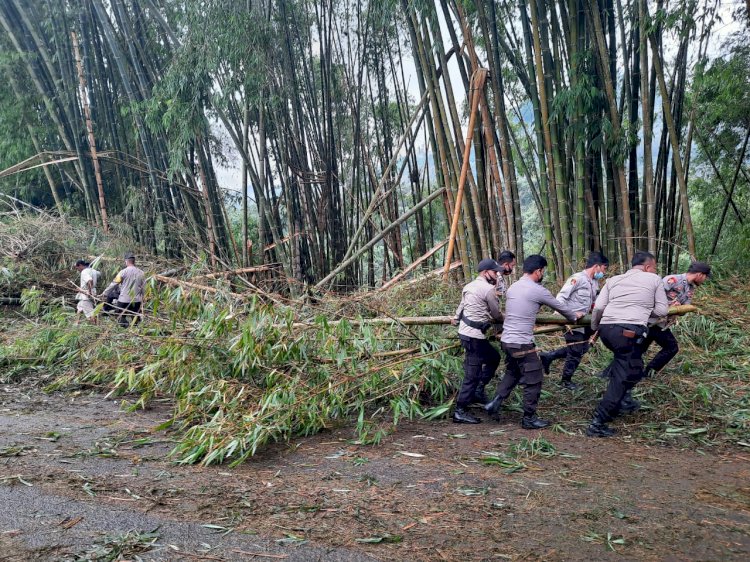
<point x="507" y="261"/>
<point x="579" y="292"/>
<point x="621" y="315"/>
<point x="478" y="310"/>
<point x="522" y="364"/>
<point x="680" y="289"/>
<point x="87" y="289"/>
<point x="131" y="282"/>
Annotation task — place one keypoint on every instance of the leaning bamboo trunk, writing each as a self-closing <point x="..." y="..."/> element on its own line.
<point x="90" y="131"/>
<point x="681" y="179"/>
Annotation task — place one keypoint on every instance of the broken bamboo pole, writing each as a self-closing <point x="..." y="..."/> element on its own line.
<point x="543" y="320"/>
<point x="412" y="267"/>
<point x="240" y="271"/>
<point x="90" y="130"/>
<point x="478" y="89"/>
<point x="194" y="286"/>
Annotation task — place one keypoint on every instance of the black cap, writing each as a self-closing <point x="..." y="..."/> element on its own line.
<point x="699" y="267"/>
<point x="82" y="262"/>
<point x="129" y="256"/>
<point x="489" y="264"/>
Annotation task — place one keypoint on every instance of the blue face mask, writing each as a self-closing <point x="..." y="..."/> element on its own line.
<point x="598" y="275"/>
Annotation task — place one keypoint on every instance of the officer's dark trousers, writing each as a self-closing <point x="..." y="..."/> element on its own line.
<point x="578" y="345"/>
<point x="668" y="343"/>
<point x="480" y="363"/>
<point x="128" y="313"/>
<point x="626" y="368"/>
<point x="526" y="369"/>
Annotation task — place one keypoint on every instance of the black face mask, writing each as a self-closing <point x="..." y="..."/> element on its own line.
<point x="491" y="280"/>
<point x="507" y="271"/>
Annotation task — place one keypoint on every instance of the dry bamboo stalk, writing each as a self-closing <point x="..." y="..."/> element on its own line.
<point x="543" y="320"/>
<point x="478" y="88"/>
<point x="253" y="269"/>
<point x="413" y="266"/>
<point x="90" y="130"/>
<point x="196" y="286"/>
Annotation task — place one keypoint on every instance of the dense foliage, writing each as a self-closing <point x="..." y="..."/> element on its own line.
<point x="595" y="128"/>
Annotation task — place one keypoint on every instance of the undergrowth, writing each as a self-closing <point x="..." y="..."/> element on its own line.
<point x="242" y="374"/>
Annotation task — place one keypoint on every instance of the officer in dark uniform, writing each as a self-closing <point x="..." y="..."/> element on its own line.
<point x="478" y="310"/>
<point x="621" y="315"/>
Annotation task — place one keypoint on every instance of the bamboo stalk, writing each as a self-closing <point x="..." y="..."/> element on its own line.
<point x="240" y="271"/>
<point x="343" y="265"/>
<point x="543" y="320"/>
<point x="195" y="286"/>
<point x="413" y="266"/>
<point x="90" y="131"/>
<point x="681" y="179"/>
<point x="478" y="87"/>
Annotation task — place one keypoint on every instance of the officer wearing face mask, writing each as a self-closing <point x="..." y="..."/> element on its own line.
<point x="478" y="310"/>
<point x="579" y="293"/>
<point x="507" y="261"/>
<point x="522" y="363"/>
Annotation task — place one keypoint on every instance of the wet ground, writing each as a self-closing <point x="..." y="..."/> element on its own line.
<point x="81" y="478"/>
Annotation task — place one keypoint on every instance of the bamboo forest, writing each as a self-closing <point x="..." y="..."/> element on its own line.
<point x="271" y="271"/>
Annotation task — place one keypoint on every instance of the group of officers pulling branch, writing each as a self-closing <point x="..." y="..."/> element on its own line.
<point x="628" y="315"/>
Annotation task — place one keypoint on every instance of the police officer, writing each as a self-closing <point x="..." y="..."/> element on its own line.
<point x="479" y="308"/>
<point x="507" y="261"/>
<point x="621" y="314"/>
<point x="679" y="289"/>
<point x="522" y="363"/>
<point x="579" y="293"/>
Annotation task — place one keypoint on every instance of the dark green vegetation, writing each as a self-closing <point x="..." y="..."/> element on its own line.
<point x="601" y="124"/>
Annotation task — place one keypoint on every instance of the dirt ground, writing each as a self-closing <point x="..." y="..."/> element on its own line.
<point x="76" y="471"/>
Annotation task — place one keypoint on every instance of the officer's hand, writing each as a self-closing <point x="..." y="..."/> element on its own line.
<point x="454" y="322"/>
<point x="579" y="315"/>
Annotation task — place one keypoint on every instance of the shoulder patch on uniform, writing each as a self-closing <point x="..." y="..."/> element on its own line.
<point x="672" y="280"/>
<point x="573" y="280"/>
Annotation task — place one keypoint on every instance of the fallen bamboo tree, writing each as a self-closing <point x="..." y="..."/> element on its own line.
<point x="543" y="320"/>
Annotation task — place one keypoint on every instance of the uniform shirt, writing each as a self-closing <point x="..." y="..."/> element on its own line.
<point x="679" y="290"/>
<point x="579" y="292"/>
<point x="523" y="300"/>
<point x="88" y="275"/>
<point x="501" y="288"/>
<point x="131" y="281"/>
<point x="478" y="303"/>
<point x="632" y="298"/>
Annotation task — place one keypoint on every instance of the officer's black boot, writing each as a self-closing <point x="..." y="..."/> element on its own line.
<point x="479" y="395"/>
<point x="599" y="428"/>
<point x="628" y="404"/>
<point x="533" y="422"/>
<point x="568" y="384"/>
<point x="460" y="415"/>
<point x="493" y="407"/>
<point x="546" y="361"/>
